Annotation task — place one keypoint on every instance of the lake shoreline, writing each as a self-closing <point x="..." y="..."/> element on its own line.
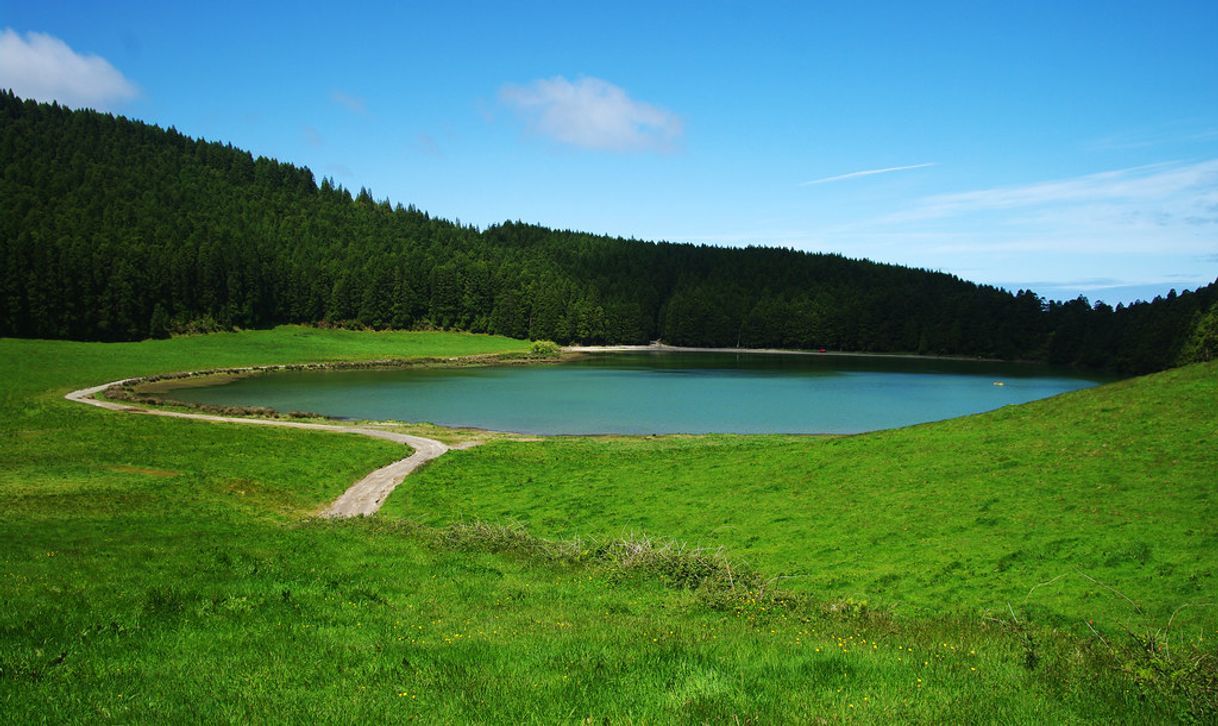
<point x="665" y="348"/>
<point x="638" y="402"/>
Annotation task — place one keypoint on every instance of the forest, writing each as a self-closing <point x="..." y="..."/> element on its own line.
<point x="113" y="229"/>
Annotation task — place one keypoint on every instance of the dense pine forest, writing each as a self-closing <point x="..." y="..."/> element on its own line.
<point x="112" y="229"/>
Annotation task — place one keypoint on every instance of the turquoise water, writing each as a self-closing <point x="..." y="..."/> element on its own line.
<point x="659" y="392"/>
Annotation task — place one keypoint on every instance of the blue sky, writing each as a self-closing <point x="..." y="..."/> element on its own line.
<point x="1067" y="147"/>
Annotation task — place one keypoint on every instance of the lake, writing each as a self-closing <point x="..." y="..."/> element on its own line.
<point x="659" y="392"/>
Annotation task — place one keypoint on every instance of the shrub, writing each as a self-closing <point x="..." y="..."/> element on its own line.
<point x="545" y="349"/>
<point x="1202" y="344"/>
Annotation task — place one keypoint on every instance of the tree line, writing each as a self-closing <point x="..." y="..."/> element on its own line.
<point x="113" y="229"/>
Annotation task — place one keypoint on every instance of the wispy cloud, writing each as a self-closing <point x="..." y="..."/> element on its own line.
<point x="339" y="170"/>
<point x="354" y="104"/>
<point x="427" y="145"/>
<point x="312" y="136"/>
<point x="1162" y="194"/>
<point x="1109" y="289"/>
<point x="1126" y="141"/>
<point x="593" y="114"/>
<point x="1124" y="229"/>
<point x="43" y="67"/>
<point x="1082" y="283"/>
<point x="867" y="172"/>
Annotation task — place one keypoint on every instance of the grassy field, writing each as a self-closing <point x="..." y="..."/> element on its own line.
<point x="165" y="570"/>
<point x="1099" y="492"/>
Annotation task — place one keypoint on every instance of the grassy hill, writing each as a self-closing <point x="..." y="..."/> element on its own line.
<point x="168" y="570"/>
<point x="1100" y="491"/>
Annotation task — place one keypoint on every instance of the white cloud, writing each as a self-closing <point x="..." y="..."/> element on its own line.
<point x="593" y="114"/>
<point x="44" y="68"/>
<point x="866" y="172"/>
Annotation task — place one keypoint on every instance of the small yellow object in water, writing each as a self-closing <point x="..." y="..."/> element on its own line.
<point x="999" y="383"/>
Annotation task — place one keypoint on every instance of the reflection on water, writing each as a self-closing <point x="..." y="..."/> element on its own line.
<point x="661" y="392"/>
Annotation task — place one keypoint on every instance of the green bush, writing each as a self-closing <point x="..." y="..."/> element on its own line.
<point x="1202" y="344"/>
<point x="545" y="349"/>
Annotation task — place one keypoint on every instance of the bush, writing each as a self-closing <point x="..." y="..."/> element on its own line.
<point x="1202" y="344"/>
<point x="545" y="349"/>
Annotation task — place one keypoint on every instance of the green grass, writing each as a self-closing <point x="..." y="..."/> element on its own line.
<point x="166" y="570"/>
<point x="1109" y="489"/>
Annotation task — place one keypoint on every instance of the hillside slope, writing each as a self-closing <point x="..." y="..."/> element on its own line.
<point x="112" y="229"/>
<point x="161" y="570"/>
<point x="1094" y="492"/>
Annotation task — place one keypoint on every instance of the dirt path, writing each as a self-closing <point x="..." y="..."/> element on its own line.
<point x="362" y="499"/>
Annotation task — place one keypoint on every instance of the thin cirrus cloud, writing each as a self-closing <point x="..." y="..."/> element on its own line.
<point x="1183" y="192"/>
<point x="867" y="172"/>
<point x="354" y="104"/>
<point x="42" y="67"/>
<point x="591" y="113"/>
<point x="1093" y="284"/>
<point x="1139" y="221"/>
<point x="1126" y="141"/>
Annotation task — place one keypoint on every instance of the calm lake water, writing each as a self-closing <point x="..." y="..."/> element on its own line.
<point x="659" y="392"/>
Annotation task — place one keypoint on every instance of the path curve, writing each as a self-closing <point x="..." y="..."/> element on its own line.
<point x="362" y="499"/>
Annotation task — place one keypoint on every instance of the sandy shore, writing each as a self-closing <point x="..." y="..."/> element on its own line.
<point x="665" y="348"/>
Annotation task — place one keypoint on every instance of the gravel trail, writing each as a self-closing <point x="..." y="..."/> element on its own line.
<point x="362" y="499"/>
